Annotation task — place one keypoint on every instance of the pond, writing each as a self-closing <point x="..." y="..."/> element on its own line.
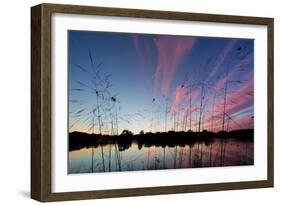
<point x="132" y="157"/>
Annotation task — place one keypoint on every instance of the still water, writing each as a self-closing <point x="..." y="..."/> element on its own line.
<point x="114" y="157"/>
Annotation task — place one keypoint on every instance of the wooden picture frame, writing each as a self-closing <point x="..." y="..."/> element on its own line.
<point x="41" y="98"/>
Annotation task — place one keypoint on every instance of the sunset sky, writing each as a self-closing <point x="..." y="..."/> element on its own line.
<point x="154" y="77"/>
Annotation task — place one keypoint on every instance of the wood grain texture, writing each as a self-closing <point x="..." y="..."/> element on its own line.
<point x="36" y="58"/>
<point x="123" y="12"/>
<point x="41" y="174"/>
<point x="270" y="102"/>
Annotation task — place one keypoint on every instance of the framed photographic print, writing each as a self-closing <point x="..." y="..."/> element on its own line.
<point x="132" y="102"/>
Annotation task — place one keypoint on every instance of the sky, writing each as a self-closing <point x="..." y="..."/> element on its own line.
<point x="157" y="83"/>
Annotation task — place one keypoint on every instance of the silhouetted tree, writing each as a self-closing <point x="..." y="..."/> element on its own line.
<point x="126" y="133"/>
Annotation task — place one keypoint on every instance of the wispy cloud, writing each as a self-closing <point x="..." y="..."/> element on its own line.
<point x="238" y="100"/>
<point x="181" y="98"/>
<point x="221" y="59"/>
<point x="170" y="52"/>
<point x="239" y="66"/>
<point x="143" y="49"/>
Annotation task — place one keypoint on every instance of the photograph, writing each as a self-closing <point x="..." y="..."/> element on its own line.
<point x="140" y="101"/>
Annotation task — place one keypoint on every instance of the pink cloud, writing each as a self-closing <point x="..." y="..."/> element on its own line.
<point x="243" y="122"/>
<point x="221" y="83"/>
<point x="170" y="52"/>
<point x="241" y="98"/>
<point x="181" y="96"/>
<point x="235" y="102"/>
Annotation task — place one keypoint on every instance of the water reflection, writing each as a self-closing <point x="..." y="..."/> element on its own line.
<point x="134" y="156"/>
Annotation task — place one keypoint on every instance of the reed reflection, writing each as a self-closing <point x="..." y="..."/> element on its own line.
<point x="132" y="154"/>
